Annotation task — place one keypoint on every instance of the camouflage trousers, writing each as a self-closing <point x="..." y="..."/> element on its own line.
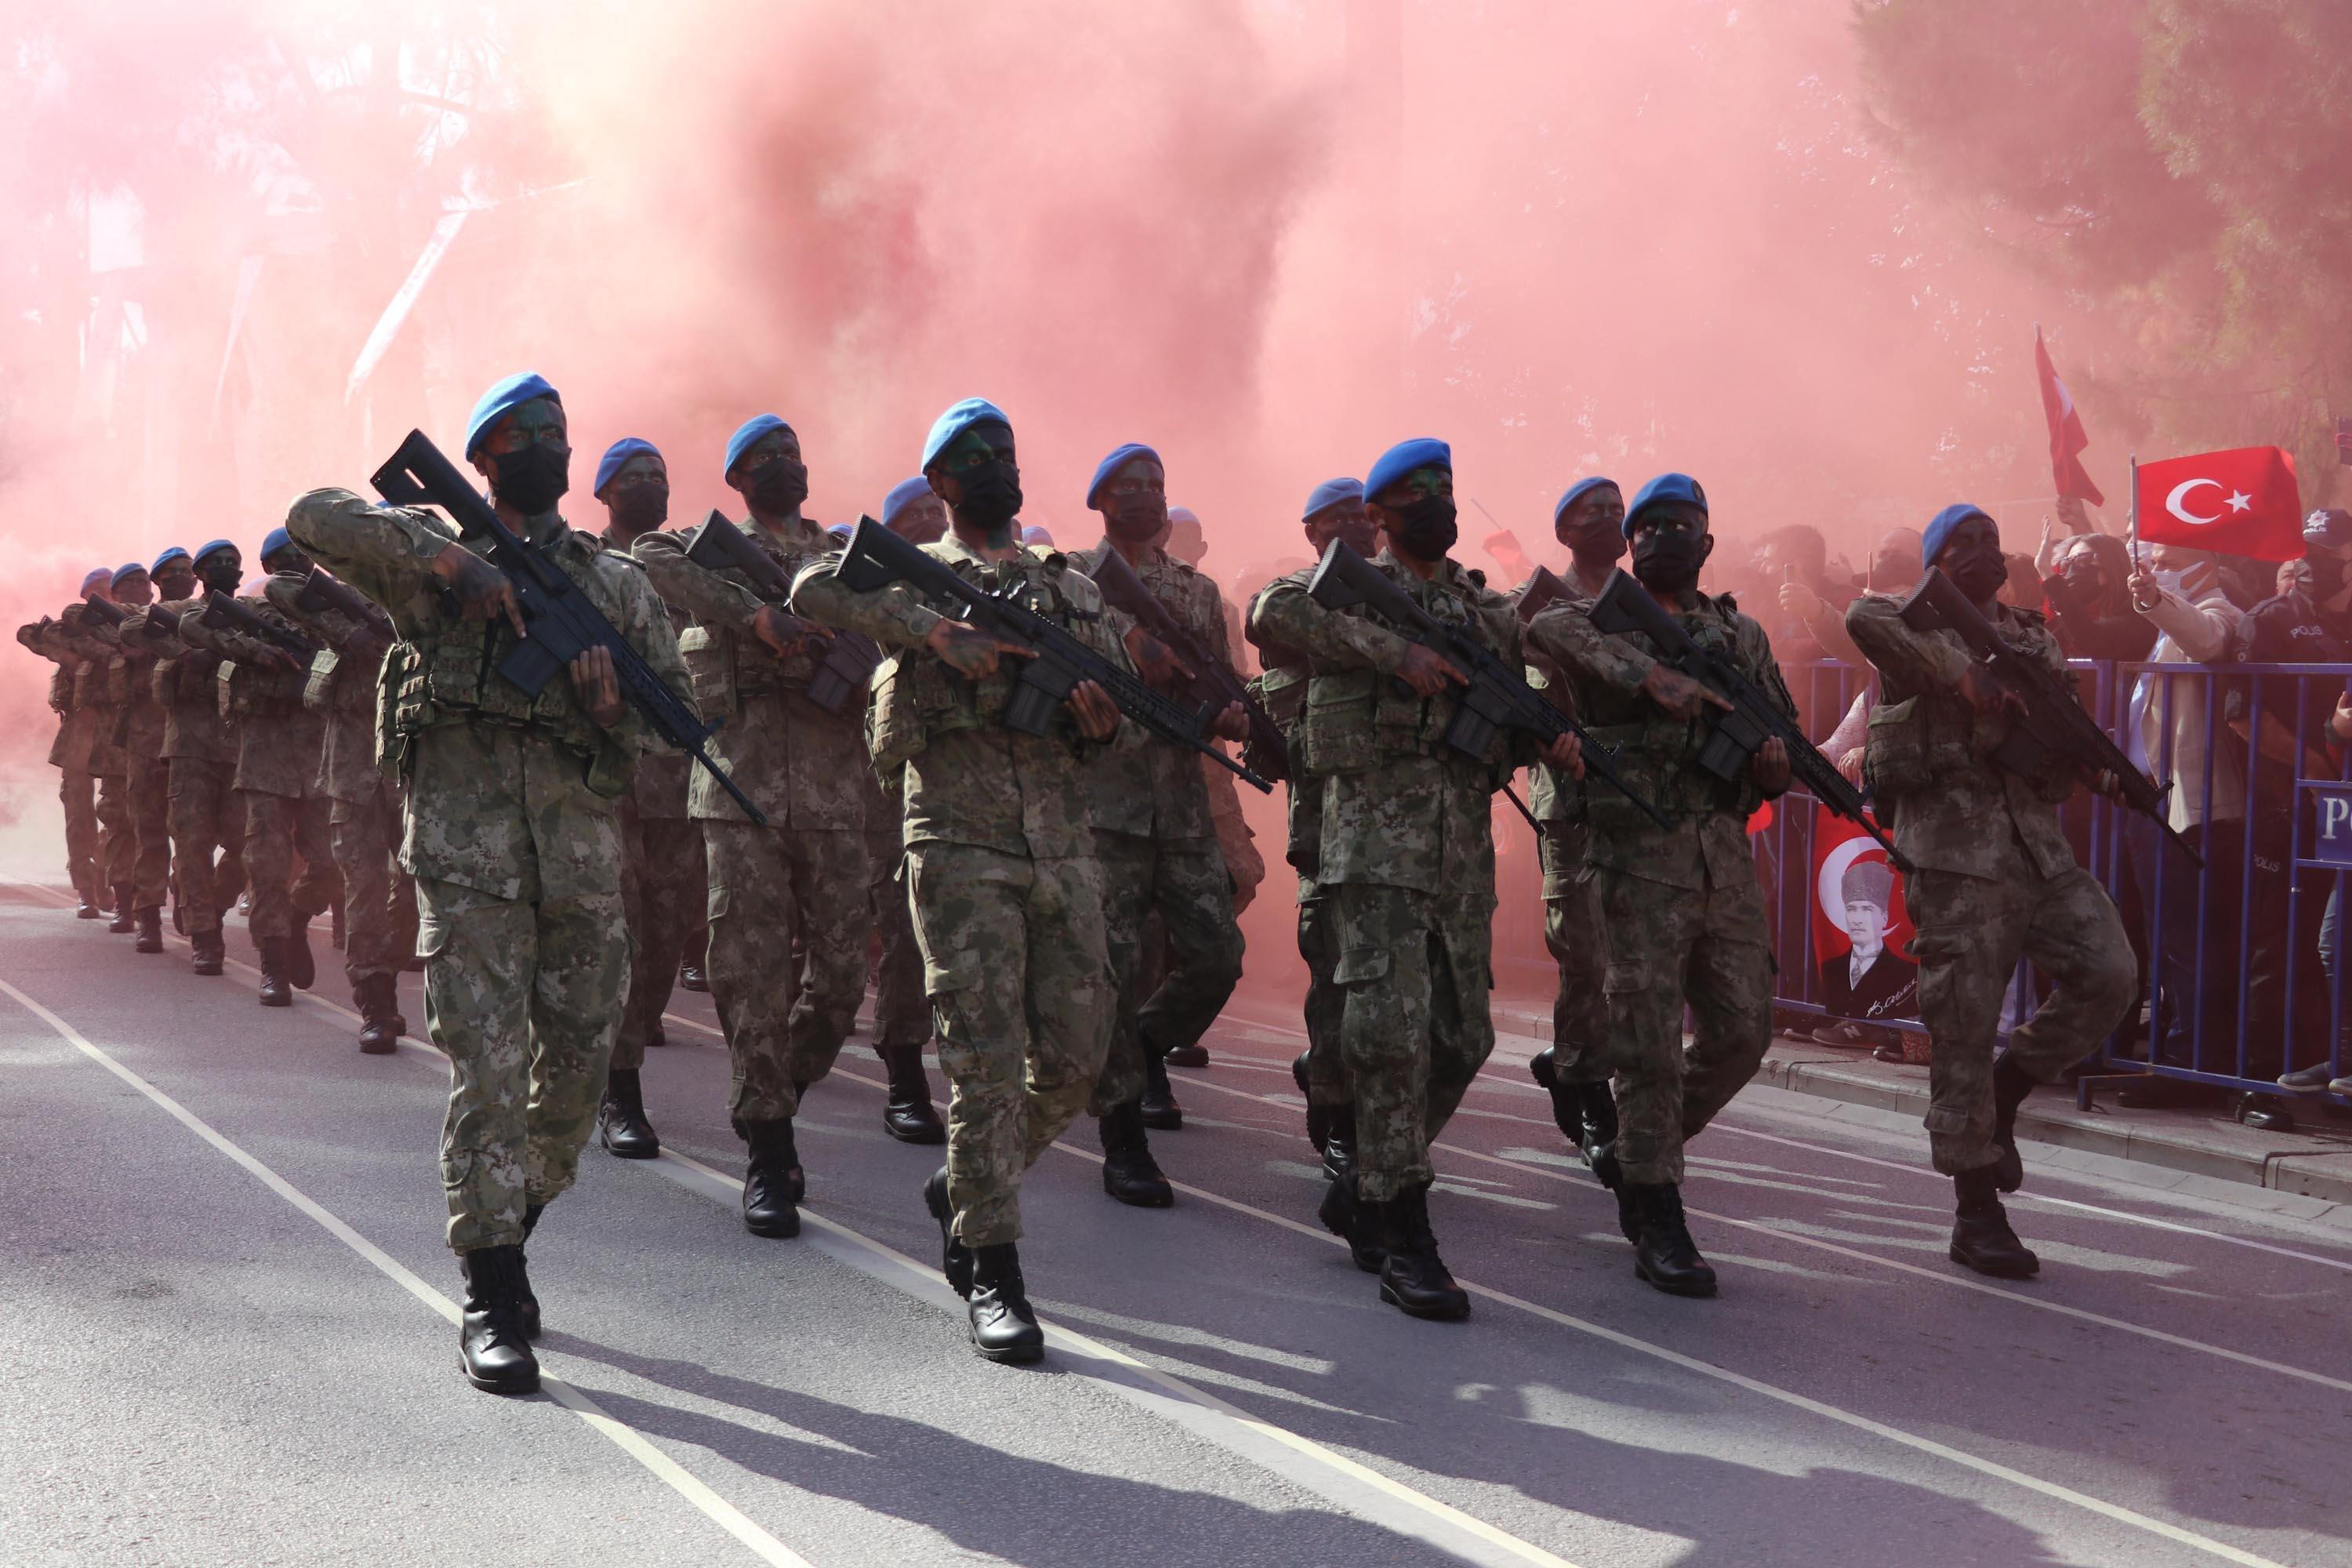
<point x="149" y="799"/>
<point x="278" y="828"/>
<point x="1971" y="932"/>
<point x="785" y="903"/>
<point x="1414" y="971"/>
<point x="523" y="995"/>
<point x="1709" y="950"/>
<point x="1018" y="972"/>
<point x="118" y="840"/>
<point x="1156" y="890"/>
<point x="1319" y="945"/>
<point x="77" y="793"/>
<point x="379" y="897"/>
<point x="207" y="840"/>
<point x="1578" y="944"/>
<point x="666" y="888"/>
<point x="902" y="1014"/>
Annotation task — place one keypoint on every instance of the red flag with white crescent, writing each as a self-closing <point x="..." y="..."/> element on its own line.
<point x="2067" y="439"/>
<point x="2241" y="503"/>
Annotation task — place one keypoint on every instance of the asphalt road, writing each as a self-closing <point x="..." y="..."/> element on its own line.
<point x="230" y="1335"/>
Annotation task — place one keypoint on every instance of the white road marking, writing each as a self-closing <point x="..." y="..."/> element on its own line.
<point x="721" y="1512"/>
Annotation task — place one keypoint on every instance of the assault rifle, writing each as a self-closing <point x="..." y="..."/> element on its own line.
<point x="321" y="593"/>
<point x="878" y="557"/>
<point x="849" y="657"/>
<point x="2053" y="723"/>
<point x="224" y="613"/>
<point x="1497" y="697"/>
<point x="560" y="622"/>
<point x="1544" y="590"/>
<point x="96" y="613"/>
<point x="159" y="623"/>
<point x="1735" y="736"/>
<point x="1215" y="685"/>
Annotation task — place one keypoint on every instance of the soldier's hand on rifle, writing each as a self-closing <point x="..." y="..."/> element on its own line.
<point x="785" y="635"/>
<point x="598" y="687"/>
<point x="1986" y="696"/>
<point x="1096" y="714"/>
<point x="1428" y="672"/>
<point x="1566" y="753"/>
<point x="269" y="656"/>
<point x="483" y="592"/>
<point x="1770" y="768"/>
<point x="1679" y="694"/>
<point x="969" y="651"/>
<point x="1155" y="660"/>
<point x="1232" y="724"/>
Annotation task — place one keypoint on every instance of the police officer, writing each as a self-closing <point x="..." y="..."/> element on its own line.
<point x="509" y="831"/>
<point x="1007" y="895"/>
<point x="1996" y="881"/>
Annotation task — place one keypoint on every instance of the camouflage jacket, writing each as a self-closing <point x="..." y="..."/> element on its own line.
<point x="1152" y="787"/>
<point x="183" y="679"/>
<point x="1400" y="808"/>
<point x="1282" y="692"/>
<point x="962" y="777"/>
<point x="802" y="766"/>
<point x="660" y="788"/>
<point x="1658" y="754"/>
<point x="340" y="690"/>
<point x="1930" y="757"/>
<point x="1552" y="795"/>
<point x="279" y="742"/>
<point x="508" y="796"/>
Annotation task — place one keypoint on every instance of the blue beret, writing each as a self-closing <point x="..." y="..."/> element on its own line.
<point x="125" y="570"/>
<point x="839" y="531"/>
<point x="1112" y="464"/>
<point x="1939" y="532"/>
<point x="971" y="411"/>
<point x="750" y="430"/>
<point x="215" y="545"/>
<point x="1664" y="488"/>
<point x="902" y="495"/>
<point x="1331" y="493"/>
<point x="1421" y="452"/>
<point x="503" y="399"/>
<point x="618" y="453"/>
<point x="1577" y="493"/>
<point x="97" y="577"/>
<point x="276" y="540"/>
<point x="1035" y="533"/>
<point x="169" y="555"/>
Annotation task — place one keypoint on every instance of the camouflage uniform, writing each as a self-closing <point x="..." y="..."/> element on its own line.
<point x="1407" y="845"/>
<point x="207" y="836"/>
<point x="1006" y="894"/>
<point x="1996" y="879"/>
<point x="1156" y="840"/>
<point x="902" y="1014"/>
<point x="103" y="685"/>
<point x="1573" y="929"/>
<point x="149" y="794"/>
<point x="510" y="832"/>
<point x="1684" y="913"/>
<point x="70" y="754"/>
<point x="789" y="898"/>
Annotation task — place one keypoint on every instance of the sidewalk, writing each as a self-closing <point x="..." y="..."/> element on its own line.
<point x="2314" y="1163"/>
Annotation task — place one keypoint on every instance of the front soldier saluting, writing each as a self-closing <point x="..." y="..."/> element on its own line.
<point x="509" y="829"/>
<point x="1996" y="881"/>
<point x="1007" y="896"/>
<point x="1408" y="844"/>
<point x="1681" y="907"/>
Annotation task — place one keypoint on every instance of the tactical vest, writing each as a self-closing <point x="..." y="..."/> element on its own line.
<point x="1929" y="738"/>
<point x="1356" y="719"/>
<point x="1658" y="755"/>
<point x="248" y="692"/>
<point x="449" y="675"/>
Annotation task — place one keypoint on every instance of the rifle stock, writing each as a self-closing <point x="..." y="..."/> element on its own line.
<point x="320" y="593"/>
<point x="1215" y="687"/>
<point x="1544" y="590"/>
<point x="223" y="613"/>
<point x="850" y="657"/>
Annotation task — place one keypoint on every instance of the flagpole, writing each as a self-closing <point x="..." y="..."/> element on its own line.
<point x="2134" y="508"/>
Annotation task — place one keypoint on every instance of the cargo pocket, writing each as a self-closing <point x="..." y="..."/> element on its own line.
<point x="1358" y="965"/>
<point x="1624" y="980"/>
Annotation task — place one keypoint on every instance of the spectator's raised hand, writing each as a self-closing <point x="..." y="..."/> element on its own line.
<point x="1801" y="601"/>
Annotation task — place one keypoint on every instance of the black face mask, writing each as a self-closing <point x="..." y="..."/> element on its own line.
<point x="1603" y="538"/>
<point x="1139" y="517"/>
<point x="1978" y="573"/>
<point x="779" y="485"/>
<point x="991" y="496"/>
<point x="534" y="479"/>
<point x="1666" y="561"/>
<point x="641" y="509"/>
<point x="220" y="575"/>
<point x="1425" y="529"/>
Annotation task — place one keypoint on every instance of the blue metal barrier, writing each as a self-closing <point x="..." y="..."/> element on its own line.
<point x="2241" y="960"/>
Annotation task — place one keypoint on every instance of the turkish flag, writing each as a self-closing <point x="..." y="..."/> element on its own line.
<point x="2067" y="441"/>
<point x="2241" y="503"/>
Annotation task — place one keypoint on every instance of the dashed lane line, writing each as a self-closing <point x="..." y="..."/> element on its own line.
<point x="721" y="1512"/>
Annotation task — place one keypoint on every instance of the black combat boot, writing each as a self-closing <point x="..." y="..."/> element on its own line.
<point x="1160" y="1112"/>
<point x="655" y="1036"/>
<point x="622" y="1126"/>
<point x="275" y="991"/>
<point x="1414" y="1278"/>
<point x="491" y="1344"/>
<point x="1003" y="1328"/>
<point x="84" y="909"/>
<point x="1663" y="1252"/>
<point x="525" y="1299"/>
<point x="1347" y="1216"/>
<point x="1981" y="1238"/>
<point x="1567" y="1104"/>
<point x="126" y="917"/>
<point x="768" y="1184"/>
<point x="381" y="1025"/>
<point x="955" y="1257"/>
<point x="1192" y="1056"/>
<point x="301" y="966"/>
<point x="150" y="930"/>
<point x="907" y="1112"/>
<point x="1130" y="1173"/>
<point x="1318" y="1117"/>
<point x="1338" y="1141"/>
<point x="2010" y="1087"/>
<point x="691" y="978"/>
<point x="209" y="951"/>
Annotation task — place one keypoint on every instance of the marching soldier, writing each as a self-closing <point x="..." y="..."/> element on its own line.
<point x="207" y="828"/>
<point x="148" y="796"/>
<point x="58" y="639"/>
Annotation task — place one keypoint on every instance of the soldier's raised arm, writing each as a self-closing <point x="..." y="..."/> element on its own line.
<point x="1287" y="613"/>
<point x="1566" y="637"/>
<point x="893" y="614"/>
<point x="385" y="552"/>
<point x="709" y="597"/>
<point x="1912" y="658"/>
